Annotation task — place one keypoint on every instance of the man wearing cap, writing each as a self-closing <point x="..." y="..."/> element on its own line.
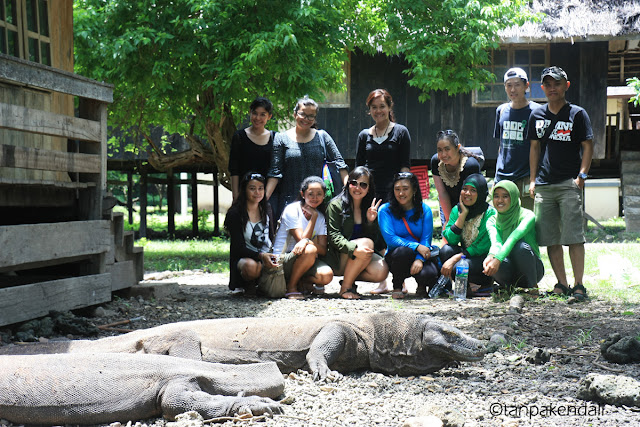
<point x="559" y="132"/>
<point x="510" y="127"/>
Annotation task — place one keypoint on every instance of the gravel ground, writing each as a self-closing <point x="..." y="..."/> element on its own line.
<point x="504" y="389"/>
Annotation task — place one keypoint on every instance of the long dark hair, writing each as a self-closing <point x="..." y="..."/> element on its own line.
<point x="345" y="195"/>
<point x="241" y="202"/>
<point x="452" y="138"/>
<point x="395" y="207"/>
<point x="304" y="186"/>
<point x="387" y="99"/>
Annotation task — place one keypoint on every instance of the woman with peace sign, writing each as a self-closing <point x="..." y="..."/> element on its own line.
<point x="352" y="227"/>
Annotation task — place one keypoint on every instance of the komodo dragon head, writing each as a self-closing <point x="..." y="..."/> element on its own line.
<point x="450" y="342"/>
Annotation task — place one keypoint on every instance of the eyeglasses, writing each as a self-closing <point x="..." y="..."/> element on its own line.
<point x="305" y="116"/>
<point x="402" y="175"/>
<point x="355" y="183"/>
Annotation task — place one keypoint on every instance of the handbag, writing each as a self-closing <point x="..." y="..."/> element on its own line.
<point x="330" y="173"/>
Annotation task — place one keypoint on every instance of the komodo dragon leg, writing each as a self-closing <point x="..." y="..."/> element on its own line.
<point x="181" y="395"/>
<point x="332" y="341"/>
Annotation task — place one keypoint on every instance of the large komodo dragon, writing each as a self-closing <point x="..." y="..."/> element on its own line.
<point x="57" y="389"/>
<point x="391" y="343"/>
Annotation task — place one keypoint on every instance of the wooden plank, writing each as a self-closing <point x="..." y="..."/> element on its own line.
<point x="24" y="245"/>
<point x="41" y="76"/>
<point x="45" y="183"/>
<point x="41" y="122"/>
<point x="27" y="302"/>
<point x="123" y="275"/>
<point x="35" y="158"/>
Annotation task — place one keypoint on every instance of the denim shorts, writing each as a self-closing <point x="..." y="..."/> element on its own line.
<point x="559" y="216"/>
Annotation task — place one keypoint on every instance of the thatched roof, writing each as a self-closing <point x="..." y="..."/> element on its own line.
<point x="579" y="20"/>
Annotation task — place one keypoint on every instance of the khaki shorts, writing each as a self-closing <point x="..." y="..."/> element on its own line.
<point x="559" y="217"/>
<point x="289" y="259"/>
<point x="334" y="260"/>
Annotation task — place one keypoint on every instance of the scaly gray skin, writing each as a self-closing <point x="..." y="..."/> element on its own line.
<point x="392" y="343"/>
<point x="58" y="389"/>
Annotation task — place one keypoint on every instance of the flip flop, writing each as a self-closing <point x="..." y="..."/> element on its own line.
<point x="294" y="295"/>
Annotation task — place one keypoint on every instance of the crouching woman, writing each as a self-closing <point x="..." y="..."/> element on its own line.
<point x="251" y="230"/>
<point x="352" y="227"/>
<point x="301" y="238"/>
<point x="466" y="232"/>
<point x="406" y="224"/>
<point x="514" y="256"/>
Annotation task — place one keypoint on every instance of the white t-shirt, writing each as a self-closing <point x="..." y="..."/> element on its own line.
<point x="292" y="218"/>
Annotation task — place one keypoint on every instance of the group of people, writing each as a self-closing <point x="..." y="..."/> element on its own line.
<point x="379" y="222"/>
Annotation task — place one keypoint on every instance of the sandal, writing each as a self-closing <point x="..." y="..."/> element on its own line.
<point x="294" y="295"/>
<point x="565" y="291"/>
<point x="397" y="294"/>
<point x="353" y="294"/>
<point x="579" y="296"/>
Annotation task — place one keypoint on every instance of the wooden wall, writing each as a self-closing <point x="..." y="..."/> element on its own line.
<point x="585" y="64"/>
<point x="61" y="33"/>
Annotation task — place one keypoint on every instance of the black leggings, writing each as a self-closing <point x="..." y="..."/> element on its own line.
<point x="400" y="260"/>
<point x="475" y="265"/>
<point x="521" y="268"/>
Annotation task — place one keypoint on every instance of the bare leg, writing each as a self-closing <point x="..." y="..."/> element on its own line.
<point x="376" y="271"/>
<point x="249" y="269"/>
<point x="556" y="258"/>
<point x="300" y="266"/>
<point x="576" y="253"/>
<point x="355" y="266"/>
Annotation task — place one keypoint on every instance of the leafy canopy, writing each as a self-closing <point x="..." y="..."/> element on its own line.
<point x="189" y="64"/>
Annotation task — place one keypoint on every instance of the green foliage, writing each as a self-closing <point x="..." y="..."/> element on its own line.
<point x="203" y="218"/>
<point x="188" y="64"/>
<point x="211" y="256"/>
<point x="634" y="83"/>
<point x="583" y="336"/>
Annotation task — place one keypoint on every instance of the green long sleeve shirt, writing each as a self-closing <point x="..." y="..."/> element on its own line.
<point x="526" y="229"/>
<point x="340" y="228"/>
<point x="481" y="244"/>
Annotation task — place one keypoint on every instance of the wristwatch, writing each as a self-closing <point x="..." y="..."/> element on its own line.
<point x="583" y="175"/>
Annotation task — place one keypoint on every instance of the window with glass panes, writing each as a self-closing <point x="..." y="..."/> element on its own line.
<point x="531" y="58"/>
<point x="24" y="29"/>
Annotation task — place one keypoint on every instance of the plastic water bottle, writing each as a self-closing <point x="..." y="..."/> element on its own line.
<point x="439" y="287"/>
<point x="462" y="277"/>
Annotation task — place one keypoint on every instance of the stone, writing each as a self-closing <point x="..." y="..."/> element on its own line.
<point x="611" y="389"/>
<point x="428" y="421"/>
<point x="152" y="290"/>
<point x="449" y="416"/>
<point x="516" y="303"/>
<point x="619" y="349"/>
<point x="538" y="356"/>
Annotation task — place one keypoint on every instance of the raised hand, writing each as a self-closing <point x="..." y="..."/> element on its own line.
<point x="309" y="212"/>
<point x="372" y="212"/>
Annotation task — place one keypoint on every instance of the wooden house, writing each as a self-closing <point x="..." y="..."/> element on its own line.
<point x="62" y="248"/>
<point x="595" y="42"/>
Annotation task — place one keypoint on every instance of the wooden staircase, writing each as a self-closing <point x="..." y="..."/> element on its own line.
<point x="124" y="261"/>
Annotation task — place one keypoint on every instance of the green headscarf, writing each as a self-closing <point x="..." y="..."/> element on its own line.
<point x="508" y="221"/>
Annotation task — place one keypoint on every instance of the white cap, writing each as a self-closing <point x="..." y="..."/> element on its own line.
<point x="515" y="72"/>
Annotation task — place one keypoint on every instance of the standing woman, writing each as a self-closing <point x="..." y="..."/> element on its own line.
<point x="406" y="224"/>
<point x="251" y="231"/>
<point x="450" y="166"/>
<point x="300" y="152"/>
<point x="466" y="233"/>
<point x="514" y="257"/>
<point x="385" y="147"/>
<point x="352" y="228"/>
<point x="251" y="147"/>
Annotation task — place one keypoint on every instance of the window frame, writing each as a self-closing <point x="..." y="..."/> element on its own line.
<point x="24" y="35"/>
<point x="500" y="69"/>
<point x="340" y="99"/>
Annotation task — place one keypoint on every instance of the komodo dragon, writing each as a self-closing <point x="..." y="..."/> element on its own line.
<point x="57" y="389"/>
<point x="391" y="343"/>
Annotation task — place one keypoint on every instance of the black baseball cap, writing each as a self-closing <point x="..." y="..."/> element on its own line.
<point x="556" y="72"/>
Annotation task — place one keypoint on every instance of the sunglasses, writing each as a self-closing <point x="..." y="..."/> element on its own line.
<point x="355" y="183"/>
<point x="402" y="175"/>
<point x="445" y="132"/>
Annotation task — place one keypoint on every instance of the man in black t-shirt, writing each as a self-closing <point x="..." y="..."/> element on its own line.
<point x="559" y="132"/>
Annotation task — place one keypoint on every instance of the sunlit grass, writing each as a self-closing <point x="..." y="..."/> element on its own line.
<point x="165" y="255"/>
